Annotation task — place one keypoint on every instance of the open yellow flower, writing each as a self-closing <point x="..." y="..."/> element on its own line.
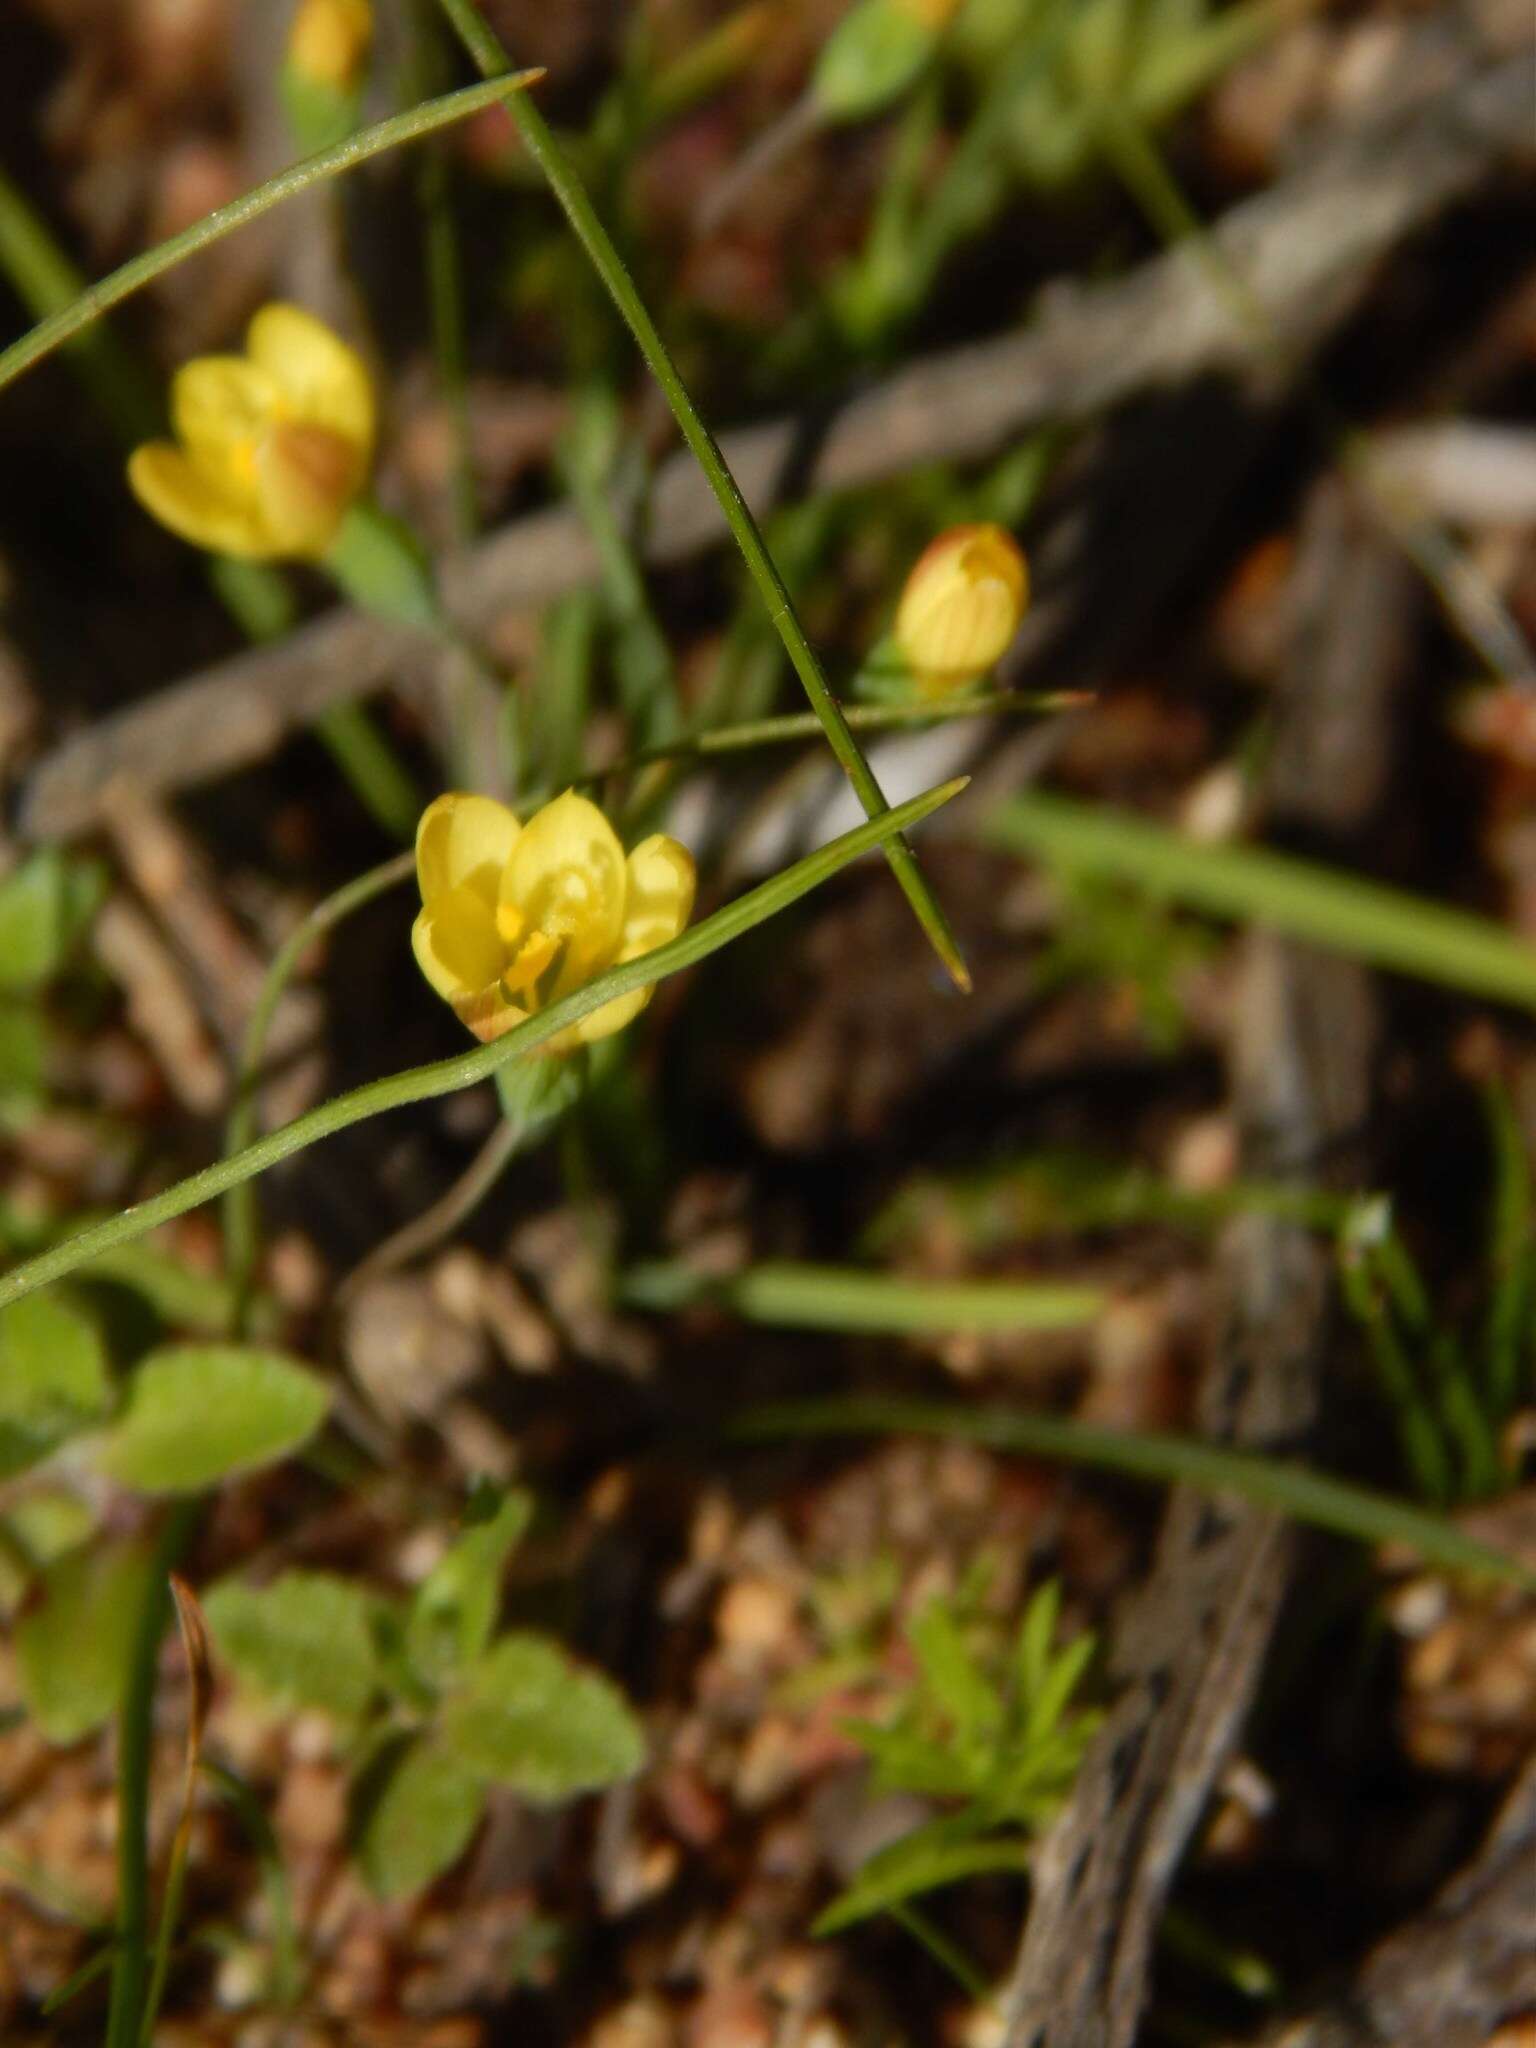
<point x="515" y="916"/>
<point x="271" y="447"/>
<point x="960" y="607"/>
<point x="329" y="41"/>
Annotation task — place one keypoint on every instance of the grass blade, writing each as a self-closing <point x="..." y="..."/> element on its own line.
<point x="801" y="1297"/>
<point x="1288" y="1488"/>
<point x="139" y="271"/>
<point x="1325" y="906"/>
<point x="539" y="139"/>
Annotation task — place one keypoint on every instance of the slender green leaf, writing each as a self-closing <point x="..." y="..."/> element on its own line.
<point x="454" y="1610"/>
<point x="919" y="1862"/>
<point x="843" y="1298"/>
<point x="197" y="1412"/>
<point x="483" y="45"/>
<point x="1288" y="1488"/>
<point x="142" y="270"/>
<point x="1325" y="906"/>
<point x="951" y="1673"/>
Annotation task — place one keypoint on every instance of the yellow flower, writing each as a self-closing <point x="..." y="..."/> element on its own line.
<point x="961" y="606"/>
<point x="329" y="41"/>
<point x="271" y="447"/>
<point x="515" y="916"/>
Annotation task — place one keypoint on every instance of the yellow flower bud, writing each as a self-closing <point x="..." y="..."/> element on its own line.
<point x="960" y="607"/>
<point x="515" y="916"/>
<point x="329" y="41"/>
<point x="271" y="447"/>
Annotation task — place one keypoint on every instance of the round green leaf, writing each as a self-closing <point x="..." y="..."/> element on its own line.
<point x="307" y="1640"/>
<point x="528" y="1717"/>
<point x="197" y="1412"/>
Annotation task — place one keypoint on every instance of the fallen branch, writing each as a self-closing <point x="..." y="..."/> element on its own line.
<point x="1189" y="1651"/>
<point x="1308" y="248"/>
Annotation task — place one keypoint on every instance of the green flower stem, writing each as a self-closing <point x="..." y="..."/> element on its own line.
<point x="1276" y="1483"/>
<point x="484" y="47"/>
<point x="241" y="1228"/>
<point x="139" y="271"/>
<point x="136" y="1732"/>
<point x="463" y="1070"/>
<point x="804" y="725"/>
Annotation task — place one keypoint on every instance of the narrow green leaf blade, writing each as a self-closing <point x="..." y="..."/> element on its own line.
<point x="454" y="1610"/>
<point x="808" y="1297"/>
<point x="1278" y="1483"/>
<point x="142" y="270"/>
<point x="920" y="1862"/>
<point x="1383" y="927"/>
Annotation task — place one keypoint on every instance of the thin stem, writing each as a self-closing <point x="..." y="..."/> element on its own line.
<point x="445" y="277"/>
<point x="136" y="1730"/>
<point x="484" y="47"/>
<point x="463" y="1070"/>
<point x="241" y="1227"/>
<point x="804" y="725"/>
<point x="444" y="1215"/>
<point x="372" y="768"/>
<point x="139" y="271"/>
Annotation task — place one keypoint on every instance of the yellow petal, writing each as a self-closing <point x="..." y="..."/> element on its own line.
<point x="220" y="407"/>
<point x="329" y="41"/>
<point x="192" y="505"/>
<point x="456" y="946"/>
<point x="323" y="382"/>
<point x="305" y="478"/>
<point x="463" y="842"/>
<point x="659" y="899"/>
<point x="567" y="878"/>
<point x="961" y="605"/>
<point x="658" y="904"/>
